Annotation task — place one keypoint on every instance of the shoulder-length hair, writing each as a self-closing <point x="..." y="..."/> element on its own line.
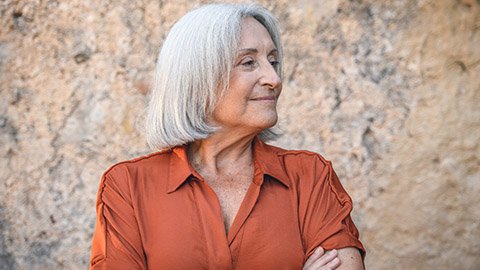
<point x="193" y="70"/>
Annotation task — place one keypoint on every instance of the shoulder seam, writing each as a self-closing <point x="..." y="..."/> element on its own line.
<point x="137" y="159"/>
<point x="279" y="151"/>
<point x="306" y="152"/>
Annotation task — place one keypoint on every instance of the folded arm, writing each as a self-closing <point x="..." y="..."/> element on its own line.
<point x="342" y="259"/>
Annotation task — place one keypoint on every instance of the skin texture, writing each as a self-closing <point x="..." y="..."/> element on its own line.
<point x="344" y="258"/>
<point x="248" y="106"/>
<point x="322" y="260"/>
<point x="225" y="159"/>
<point x="250" y="103"/>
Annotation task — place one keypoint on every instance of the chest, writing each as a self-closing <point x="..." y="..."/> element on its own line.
<point x="186" y="229"/>
<point x="230" y="195"/>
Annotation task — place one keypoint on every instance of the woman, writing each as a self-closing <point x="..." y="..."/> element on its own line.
<point x="217" y="196"/>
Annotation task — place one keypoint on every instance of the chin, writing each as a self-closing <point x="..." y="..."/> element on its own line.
<point x="266" y="122"/>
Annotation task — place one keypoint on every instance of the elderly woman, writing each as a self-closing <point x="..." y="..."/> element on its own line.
<point x="216" y="196"/>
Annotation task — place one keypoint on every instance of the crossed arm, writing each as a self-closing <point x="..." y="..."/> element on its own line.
<point x="342" y="259"/>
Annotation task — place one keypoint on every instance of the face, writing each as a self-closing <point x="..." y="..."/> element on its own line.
<point x="250" y="102"/>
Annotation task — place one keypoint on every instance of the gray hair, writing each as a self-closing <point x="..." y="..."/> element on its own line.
<point x="193" y="70"/>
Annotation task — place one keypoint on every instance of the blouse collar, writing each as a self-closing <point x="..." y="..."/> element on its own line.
<point x="265" y="157"/>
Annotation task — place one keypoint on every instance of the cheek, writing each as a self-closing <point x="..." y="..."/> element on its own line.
<point x="229" y="108"/>
<point x="237" y="98"/>
<point x="235" y="101"/>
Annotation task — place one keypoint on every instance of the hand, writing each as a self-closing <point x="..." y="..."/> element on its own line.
<point x="321" y="260"/>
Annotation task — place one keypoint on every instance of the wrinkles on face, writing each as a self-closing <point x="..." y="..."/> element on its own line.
<point x="249" y="103"/>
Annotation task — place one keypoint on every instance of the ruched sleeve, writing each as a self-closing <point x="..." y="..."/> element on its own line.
<point x="326" y="215"/>
<point x="116" y="241"/>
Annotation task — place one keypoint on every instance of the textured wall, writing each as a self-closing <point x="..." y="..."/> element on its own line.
<point x="387" y="90"/>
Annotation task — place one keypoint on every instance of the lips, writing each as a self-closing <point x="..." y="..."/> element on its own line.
<point x="265" y="98"/>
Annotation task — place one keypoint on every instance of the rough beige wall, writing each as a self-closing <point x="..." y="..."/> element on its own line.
<point x="387" y="90"/>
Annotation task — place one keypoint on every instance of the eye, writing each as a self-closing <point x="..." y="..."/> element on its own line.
<point x="249" y="62"/>
<point x="274" y="63"/>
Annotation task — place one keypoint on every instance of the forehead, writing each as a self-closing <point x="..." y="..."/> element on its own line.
<point x="254" y="35"/>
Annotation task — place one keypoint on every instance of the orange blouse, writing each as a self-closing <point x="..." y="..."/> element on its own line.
<point x="156" y="212"/>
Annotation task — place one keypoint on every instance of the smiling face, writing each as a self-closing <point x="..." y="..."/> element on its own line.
<point x="250" y="102"/>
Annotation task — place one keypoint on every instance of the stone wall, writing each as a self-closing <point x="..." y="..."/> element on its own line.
<point x="387" y="90"/>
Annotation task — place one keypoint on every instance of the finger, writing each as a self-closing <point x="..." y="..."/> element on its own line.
<point x="325" y="259"/>
<point x="320" y="262"/>
<point x="319" y="251"/>
<point x="333" y="264"/>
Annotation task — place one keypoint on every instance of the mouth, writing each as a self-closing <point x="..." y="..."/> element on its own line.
<point x="265" y="98"/>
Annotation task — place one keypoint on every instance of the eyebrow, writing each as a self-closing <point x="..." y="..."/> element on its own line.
<point x="253" y="50"/>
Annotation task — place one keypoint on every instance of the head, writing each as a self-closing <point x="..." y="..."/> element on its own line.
<point x="195" y="68"/>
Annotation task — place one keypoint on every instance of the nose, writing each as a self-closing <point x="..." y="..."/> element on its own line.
<point x="270" y="77"/>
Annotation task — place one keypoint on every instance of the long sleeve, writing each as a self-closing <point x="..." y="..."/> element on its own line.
<point x="116" y="241"/>
<point x="326" y="215"/>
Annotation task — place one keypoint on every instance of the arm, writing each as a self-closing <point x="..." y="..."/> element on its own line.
<point x="350" y="259"/>
<point x="326" y="218"/>
<point x="342" y="259"/>
<point x="116" y="241"/>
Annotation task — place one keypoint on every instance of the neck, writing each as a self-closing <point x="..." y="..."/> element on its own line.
<point x="221" y="151"/>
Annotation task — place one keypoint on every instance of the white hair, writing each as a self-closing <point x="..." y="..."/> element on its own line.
<point x="193" y="69"/>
